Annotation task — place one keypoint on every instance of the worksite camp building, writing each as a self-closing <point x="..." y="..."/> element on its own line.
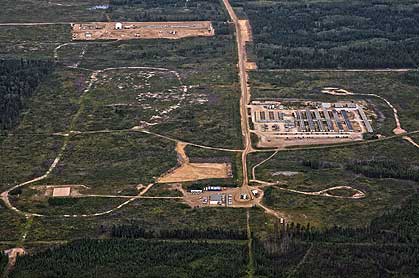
<point x="215" y="199"/>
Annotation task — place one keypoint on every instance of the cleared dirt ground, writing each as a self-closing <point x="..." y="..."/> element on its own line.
<point x="194" y="171"/>
<point x="283" y="143"/>
<point x="246" y="33"/>
<point x="251" y="66"/>
<point x="140" y="30"/>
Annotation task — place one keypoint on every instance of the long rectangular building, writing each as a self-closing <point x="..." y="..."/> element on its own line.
<point x="302" y="124"/>
<point x="328" y="120"/>
<point x="319" y="120"/>
<point x="336" y="118"/>
<point x="347" y="121"/>
<point x="310" y="120"/>
<point x="365" y="119"/>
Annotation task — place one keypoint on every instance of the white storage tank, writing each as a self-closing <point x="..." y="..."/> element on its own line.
<point x="118" y="26"/>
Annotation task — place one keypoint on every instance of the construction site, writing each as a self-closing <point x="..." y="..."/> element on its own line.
<point x="89" y="31"/>
<point x="291" y="123"/>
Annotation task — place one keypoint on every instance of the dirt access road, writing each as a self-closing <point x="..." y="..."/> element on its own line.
<point x="245" y="91"/>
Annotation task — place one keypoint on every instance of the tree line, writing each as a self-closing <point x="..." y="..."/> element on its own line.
<point x="135" y="258"/>
<point x="373" y="168"/>
<point x="134" y="231"/>
<point x="4" y="260"/>
<point x="384" y="169"/>
<point x="18" y="81"/>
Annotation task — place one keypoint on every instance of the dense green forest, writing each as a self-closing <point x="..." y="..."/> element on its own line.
<point x="18" y="81"/>
<point x="334" y="34"/>
<point x="3" y="261"/>
<point x="136" y="258"/>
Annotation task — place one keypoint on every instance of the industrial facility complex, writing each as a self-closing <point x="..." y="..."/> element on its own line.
<point x="290" y="123"/>
<point x="140" y="30"/>
<point x="222" y="196"/>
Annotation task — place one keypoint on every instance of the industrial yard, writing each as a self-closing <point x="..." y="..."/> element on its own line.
<point x="218" y="196"/>
<point x="289" y="123"/>
<point x="88" y="31"/>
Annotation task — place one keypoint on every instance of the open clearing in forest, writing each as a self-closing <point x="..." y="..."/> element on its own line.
<point x="195" y="171"/>
<point x="245" y="30"/>
<point x="140" y="30"/>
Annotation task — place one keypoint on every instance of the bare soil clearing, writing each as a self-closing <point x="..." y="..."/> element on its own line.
<point x="88" y="31"/>
<point x="245" y="30"/>
<point x="251" y="66"/>
<point x="12" y="254"/>
<point x="194" y="171"/>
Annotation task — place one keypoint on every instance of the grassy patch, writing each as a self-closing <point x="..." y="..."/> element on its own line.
<point x="32" y="42"/>
<point x="25" y="157"/>
<point x="110" y="162"/>
<point x="337" y="158"/>
<point x="163" y="10"/>
<point x="51" y="11"/>
<point x="321" y="211"/>
<point x="152" y="215"/>
<point x="163" y="190"/>
<point x="11" y="225"/>
<point x="381" y="194"/>
<point x="54" y="103"/>
<point x="262" y="224"/>
<point x="31" y="202"/>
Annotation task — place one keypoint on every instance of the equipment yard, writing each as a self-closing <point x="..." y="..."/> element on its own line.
<point x="88" y="31"/>
<point x="290" y="123"/>
<point x="223" y="197"/>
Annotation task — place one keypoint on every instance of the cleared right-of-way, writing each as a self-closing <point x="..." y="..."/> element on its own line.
<point x="245" y="94"/>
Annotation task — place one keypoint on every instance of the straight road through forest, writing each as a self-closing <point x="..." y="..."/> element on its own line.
<point x="245" y="96"/>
